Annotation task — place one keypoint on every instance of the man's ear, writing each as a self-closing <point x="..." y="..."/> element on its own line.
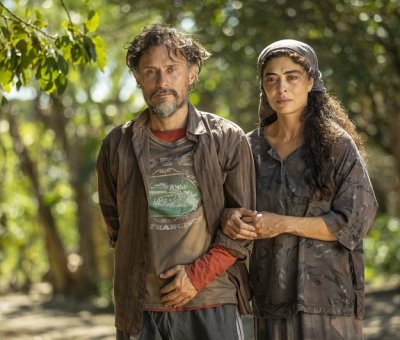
<point x="193" y="72"/>
<point x="137" y="78"/>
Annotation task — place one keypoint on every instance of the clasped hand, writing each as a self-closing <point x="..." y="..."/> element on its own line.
<point x="241" y="223"/>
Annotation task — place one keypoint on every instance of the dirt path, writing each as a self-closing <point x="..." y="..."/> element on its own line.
<point x="24" y="317"/>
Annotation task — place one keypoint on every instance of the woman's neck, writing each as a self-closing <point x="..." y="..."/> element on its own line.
<point x="284" y="138"/>
<point x="285" y="129"/>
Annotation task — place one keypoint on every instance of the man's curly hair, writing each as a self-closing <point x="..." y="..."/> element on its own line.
<point x="176" y="42"/>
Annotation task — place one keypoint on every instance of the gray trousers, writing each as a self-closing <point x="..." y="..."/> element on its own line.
<point x="216" y="323"/>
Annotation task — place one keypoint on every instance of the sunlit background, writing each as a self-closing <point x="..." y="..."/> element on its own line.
<point x="51" y="230"/>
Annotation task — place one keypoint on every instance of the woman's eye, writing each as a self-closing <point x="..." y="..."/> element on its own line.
<point x="269" y="79"/>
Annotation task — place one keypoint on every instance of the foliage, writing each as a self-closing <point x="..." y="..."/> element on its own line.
<point x="382" y="249"/>
<point x="29" y="50"/>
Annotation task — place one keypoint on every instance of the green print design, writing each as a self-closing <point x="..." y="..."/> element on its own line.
<point x="172" y="195"/>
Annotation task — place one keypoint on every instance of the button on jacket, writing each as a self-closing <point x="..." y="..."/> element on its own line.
<point x="225" y="172"/>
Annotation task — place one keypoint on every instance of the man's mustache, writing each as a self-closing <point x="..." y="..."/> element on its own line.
<point x="164" y="91"/>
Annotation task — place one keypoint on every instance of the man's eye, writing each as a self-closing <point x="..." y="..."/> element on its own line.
<point x="171" y="69"/>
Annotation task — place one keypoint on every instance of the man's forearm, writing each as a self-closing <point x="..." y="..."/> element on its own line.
<point x="208" y="266"/>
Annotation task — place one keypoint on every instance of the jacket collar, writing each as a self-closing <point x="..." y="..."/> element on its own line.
<point x="195" y="122"/>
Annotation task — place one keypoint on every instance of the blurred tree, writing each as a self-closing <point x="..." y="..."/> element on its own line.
<point x="28" y="49"/>
<point x="58" y="132"/>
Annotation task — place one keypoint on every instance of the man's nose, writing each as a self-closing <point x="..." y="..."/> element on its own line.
<point x="162" y="79"/>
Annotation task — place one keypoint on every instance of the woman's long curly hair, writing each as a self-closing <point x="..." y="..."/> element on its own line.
<point x="323" y="118"/>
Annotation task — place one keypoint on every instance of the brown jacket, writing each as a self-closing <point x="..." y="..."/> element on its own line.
<point x="225" y="171"/>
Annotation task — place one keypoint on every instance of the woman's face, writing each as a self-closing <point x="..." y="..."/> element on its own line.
<point x="286" y="85"/>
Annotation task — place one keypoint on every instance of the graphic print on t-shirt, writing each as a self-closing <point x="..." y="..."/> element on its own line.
<point x="172" y="194"/>
<point x="174" y="198"/>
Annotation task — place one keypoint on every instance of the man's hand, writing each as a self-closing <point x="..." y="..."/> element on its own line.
<point x="180" y="291"/>
<point x="240" y="223"/>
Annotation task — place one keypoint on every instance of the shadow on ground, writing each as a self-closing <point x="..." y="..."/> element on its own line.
<point x="24" y="317"/>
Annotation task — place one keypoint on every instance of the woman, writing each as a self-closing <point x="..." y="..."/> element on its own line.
<point x="316" y="203"/>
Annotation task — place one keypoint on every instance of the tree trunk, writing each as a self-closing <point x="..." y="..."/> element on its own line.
<point x="59" y="275"/>
<point x="80" y="171"/>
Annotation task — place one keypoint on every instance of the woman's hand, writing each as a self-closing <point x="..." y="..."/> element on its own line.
<point x="271" y="225"/>
<point x="312" y="227"/>
<point x="239" y="223"/>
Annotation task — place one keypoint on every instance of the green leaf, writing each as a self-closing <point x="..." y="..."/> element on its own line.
<point x="12" y="58"/>
<point x="50" y="68"/>
<point x="62" y="64"/>
<point x="76" y="53"/>
<point x="61" y="83"/>
<point x="38" y="15"/>
<point x="25" y="76"/>
<point x="48" y="86"/>
<point x="22" y="47"/>
<point x="18" y="84"/>
<point x="89" y="48"/>
<point x="100" y="51"/>
<point x="40" y="24"/>
<point x="18" y="32"/>
<point x="38" y="68"/>
<point x="6" y="75"/>
<point x="29" y="58"/>
<point x="5" y="32"/>
<point x="92" y="22"/>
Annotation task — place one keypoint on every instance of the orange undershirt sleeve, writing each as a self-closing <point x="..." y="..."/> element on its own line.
<point x="207" y="267"/>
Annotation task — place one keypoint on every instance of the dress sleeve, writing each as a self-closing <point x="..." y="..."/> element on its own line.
<point x="107" y="189"/>
<point x="354" y="206"/>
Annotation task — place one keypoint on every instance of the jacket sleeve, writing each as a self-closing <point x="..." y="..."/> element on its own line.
<point x="354" y="206"/>
<point x="240" y="190"/>
<point x="107" y="190"/>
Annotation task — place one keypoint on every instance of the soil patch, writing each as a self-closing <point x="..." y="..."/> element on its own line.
<point x="25" y="317"/>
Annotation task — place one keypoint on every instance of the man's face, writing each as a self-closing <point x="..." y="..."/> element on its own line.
<point x="165" y="80"/>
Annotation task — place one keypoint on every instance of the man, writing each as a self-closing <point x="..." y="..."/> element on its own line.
<point x="164" y="180"/>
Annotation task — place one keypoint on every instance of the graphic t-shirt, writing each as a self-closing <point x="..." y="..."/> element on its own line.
<point x="178" y="232"/>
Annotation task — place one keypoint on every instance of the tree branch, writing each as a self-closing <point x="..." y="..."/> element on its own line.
<point x="15" y="17"/>
<point x="66" y="10"/>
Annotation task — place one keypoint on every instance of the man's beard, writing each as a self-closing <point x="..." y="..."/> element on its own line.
<point x="165" y="108"/>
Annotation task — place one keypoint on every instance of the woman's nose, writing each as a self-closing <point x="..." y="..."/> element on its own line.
<point x="282" y="85"/>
